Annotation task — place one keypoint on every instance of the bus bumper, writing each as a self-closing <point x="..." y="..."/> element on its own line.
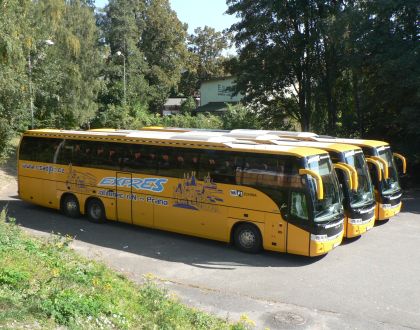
<point x="385" y="212"/>
<point x="356" y="229"/>
<point x="322" y="247"/>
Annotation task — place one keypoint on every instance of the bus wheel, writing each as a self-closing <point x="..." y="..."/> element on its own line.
<point x="95" y="211"/>
<point x="247" y="238"/>
<point x="70" y="206"/>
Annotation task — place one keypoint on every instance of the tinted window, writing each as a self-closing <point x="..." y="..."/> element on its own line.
<point x="222" y="166"/>
<point x="273" y="175"/>
<point x="177" y="162"/>
<point x="96" y="154"/>
<point x="38" y="149"/>
<point x="140" y="158"/>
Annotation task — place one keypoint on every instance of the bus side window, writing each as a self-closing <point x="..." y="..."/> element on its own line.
<point x="39" y="149"/>
<point x="65" y="154"/>
<point x="222" y="166"/>
<point x="178" y="162"/>
<point x="150" y="164"/>
<point x="28" y="149"/>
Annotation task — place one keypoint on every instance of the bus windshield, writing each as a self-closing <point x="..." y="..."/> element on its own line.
<point x="391" y="185"/>
<point x="331" y="206"/>
<point x="364" y="194"/>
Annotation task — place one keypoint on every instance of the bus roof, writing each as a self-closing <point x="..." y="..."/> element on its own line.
<point x="357" y="142"/>
<point x="186" y="139"/>
<point x="317" y="138"/>
<point x="279" y="140"/>
<point x="277" y="133"/>
<point x="305" y="139"/>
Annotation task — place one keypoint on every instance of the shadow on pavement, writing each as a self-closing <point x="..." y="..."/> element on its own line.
<point x="147" y="242"/>
<point x="411" y="201"/>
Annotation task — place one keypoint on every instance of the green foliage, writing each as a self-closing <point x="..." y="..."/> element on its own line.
<point x="151" y="41"/>
<point x="205" y="60"/>
<point x="199" y="121"/>
<point x="240" y="116"/>
<point x="188" y="106"/>
<point x="44" y="283"/>
<point x="341" y="68"/>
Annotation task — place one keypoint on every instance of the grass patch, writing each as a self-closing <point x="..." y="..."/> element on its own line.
<point x="44" y="285"/>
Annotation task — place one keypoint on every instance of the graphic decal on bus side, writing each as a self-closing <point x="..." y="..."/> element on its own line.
<point x="149" y="184"/>
<point x="197" y="195"/>
<point x="44" y="168"/>
<point x="80" y="182"/>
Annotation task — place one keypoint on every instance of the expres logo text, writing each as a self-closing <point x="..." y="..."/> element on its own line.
<point x="149" y="184"/>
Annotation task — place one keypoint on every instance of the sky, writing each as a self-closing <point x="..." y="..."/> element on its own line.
<point x="198" y="13"/>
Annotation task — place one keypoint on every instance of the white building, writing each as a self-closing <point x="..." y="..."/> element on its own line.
<point x="215" y="93"/>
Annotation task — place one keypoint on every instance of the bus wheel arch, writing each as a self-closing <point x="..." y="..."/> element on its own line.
<point x="247" y="237"/>
<point x="95" y="210"/>
<point x="69" y="205"/>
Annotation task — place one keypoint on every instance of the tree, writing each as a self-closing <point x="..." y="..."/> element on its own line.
<point x="188" y="106"/>
<point x="163" y="44"/>
<point x="122" y="25"/>
<point x="277" y="53"/>
<point x="14" y="47"/>
<point x="151" y="41"/>
<point x="206" y="59"/>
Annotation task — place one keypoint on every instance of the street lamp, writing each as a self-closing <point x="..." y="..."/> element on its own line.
<point x="47" y="42"/>
<point x="124" y="79"/>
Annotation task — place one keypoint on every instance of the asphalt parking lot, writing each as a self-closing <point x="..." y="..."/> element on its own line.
<point x="372" y="282"/>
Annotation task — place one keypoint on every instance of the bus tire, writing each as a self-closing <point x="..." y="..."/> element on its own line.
<point x="95" y="211"/>
<point x="70" y="206"/>
<point x="247" y="238"/>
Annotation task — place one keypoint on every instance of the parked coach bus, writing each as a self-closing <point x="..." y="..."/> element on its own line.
<point x="278" y="198"/>
<point x="384" y="174"/>
<point x="349" y="163"/>
<point x="352" y="170"/>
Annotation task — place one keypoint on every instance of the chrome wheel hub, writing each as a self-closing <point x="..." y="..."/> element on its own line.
<point x="247" y="239"/>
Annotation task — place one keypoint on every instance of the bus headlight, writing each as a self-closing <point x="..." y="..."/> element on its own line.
<point x="319" y="238"/>
<point x="357" y="221"/>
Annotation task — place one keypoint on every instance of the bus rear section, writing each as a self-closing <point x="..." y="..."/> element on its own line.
<point x="283" y="199"/>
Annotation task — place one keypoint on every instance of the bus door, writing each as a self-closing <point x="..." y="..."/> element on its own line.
<point x="298" y="227"/>
<point x="124" y="197"/>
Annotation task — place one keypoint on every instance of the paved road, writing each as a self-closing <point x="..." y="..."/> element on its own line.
<point x="368" y="283"/>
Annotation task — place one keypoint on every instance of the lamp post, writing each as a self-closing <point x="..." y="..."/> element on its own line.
<point x="124" y="78"/>
<point x="30" y="66"/>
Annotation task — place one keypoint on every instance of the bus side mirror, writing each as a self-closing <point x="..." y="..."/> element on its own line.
<point x="403" y="160"/>
<point x="351" y="173"/>
<point x="376" y="165"/>
<point x="384" y="165"/>
<point x="317" y="177"/>
<point x="346" y="172"/>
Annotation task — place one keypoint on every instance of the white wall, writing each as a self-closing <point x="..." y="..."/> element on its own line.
<point x="216" y="91"/>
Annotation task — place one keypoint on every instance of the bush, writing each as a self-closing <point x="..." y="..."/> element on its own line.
<point x="6" y="133"/>
<point x="239" y="116"/>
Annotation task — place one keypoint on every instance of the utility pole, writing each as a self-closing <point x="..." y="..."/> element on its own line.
<point x="124" y="77"/>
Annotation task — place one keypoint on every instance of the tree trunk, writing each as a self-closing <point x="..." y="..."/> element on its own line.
<point x="357" y="107"/>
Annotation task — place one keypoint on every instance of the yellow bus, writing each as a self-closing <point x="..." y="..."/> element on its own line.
<point x="353" y="174"/>
<point x="348" y="160"/>
<point x="279" y="198"/>
<point x="384" y="172"/>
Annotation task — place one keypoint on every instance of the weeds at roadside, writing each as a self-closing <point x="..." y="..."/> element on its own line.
<point x="44" y="284"/>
